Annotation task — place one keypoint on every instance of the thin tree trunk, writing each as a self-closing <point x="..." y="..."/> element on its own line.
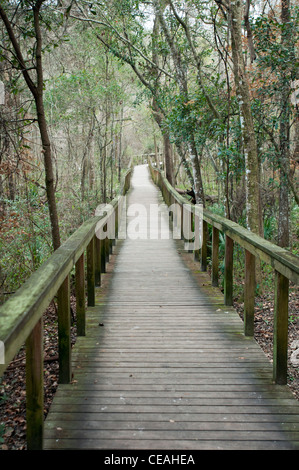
<point x="183" y="87"/>
<point x="284" y="137"/>
<point x="252" y="176"/>
<point x="168" y="159"/>
<point x="37" y="92"/>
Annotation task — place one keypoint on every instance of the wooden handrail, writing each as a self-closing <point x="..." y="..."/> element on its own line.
<point x="21" y="315"/>
<point x="284" y="263"/>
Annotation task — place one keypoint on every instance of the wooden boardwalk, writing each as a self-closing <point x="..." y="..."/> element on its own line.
<point x="165" y="366"/>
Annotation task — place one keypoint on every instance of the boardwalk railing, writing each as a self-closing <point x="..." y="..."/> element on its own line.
<point x="21" y="316"/>
<point x="285" y="264"/>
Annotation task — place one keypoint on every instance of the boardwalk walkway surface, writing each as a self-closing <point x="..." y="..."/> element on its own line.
<point x="164" y="367"/>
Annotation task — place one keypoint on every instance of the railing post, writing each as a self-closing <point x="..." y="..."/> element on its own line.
<point x="204" y="246"/>
<point x="182" y="221"/>
<point x="116" y="222"/>
<point x="110" y="238"/>
<point x="35" y="388"/>
<point x="103" y="254"/>
<point x="228" y="271"/>
<point x="97" y="261"/>
<point x="107" y="244"/>
<point x="177" y="229"/>
<point x="189" y="229"/>
<point x="91" y="273"/>
<point x="249" y="293"/>
<point x="280" y="340"/>
<point x="215" y="257"/>
<point x="64" y="331"/>
<point x="80" y="295"/>
<point x="195" y="229"/>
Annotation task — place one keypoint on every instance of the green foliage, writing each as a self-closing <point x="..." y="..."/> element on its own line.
<point x="273" y="54"/>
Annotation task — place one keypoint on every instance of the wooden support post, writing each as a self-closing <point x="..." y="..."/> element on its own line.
<point x="91" y="273"/>
<point x="215" y="257"/>
<point x="106" y="241"/>
<point x="103" y="256"/>
<point x="177" y="229"/>
<point x="64" y="332"/>
<point x="204" y="246"/>
<point x="110" y="237"/>
<point x="228" y="271"/>
<point x="182" y="221"/>
<point x="80" y="295"/>
<point x="280" y="340"/>
<point x="97" y="261"/>
<point x="35" y="388"/>
<point x="249" y="294"/>
<point x="195" y="229"/>
<point x="189" y="236"/>
<point x="116" y="222"/>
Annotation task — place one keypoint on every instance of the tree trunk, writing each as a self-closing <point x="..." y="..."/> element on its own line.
<point x="252" y="171"/>
<point x="284" y="137"/>
<point x="183" y="87"/>
<point x="168" y="159"/>
<point x="158" y="116"/>
<point x="43" y="128"/>
<point x="37" y="93"/>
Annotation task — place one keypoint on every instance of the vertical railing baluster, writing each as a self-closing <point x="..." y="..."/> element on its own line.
<point x="110" y="237"/>
<point x="280" y="340"/>
<point x="64" y="331"/>
<point x="249" y="293"/>
<point x="103" y="254"/>
<point x="195" y="229"/>
<point x="107" y="243"/>
<point x="215" y="257"/>
<point x="228" y="271"/>
<point x="97" y="261"/>
<point x="182" y="221"/>
<point x="35" y="388"/>
<point x="91" y="273"/>
<point x="116" y="222"/>
<point x="204" y="246"/>
<point x="80" y="295"/>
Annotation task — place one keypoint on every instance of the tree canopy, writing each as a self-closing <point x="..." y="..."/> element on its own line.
<point x="210" y="88"/>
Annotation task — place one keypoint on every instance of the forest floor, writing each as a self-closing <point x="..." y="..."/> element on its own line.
<point x="13" y="389"/>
